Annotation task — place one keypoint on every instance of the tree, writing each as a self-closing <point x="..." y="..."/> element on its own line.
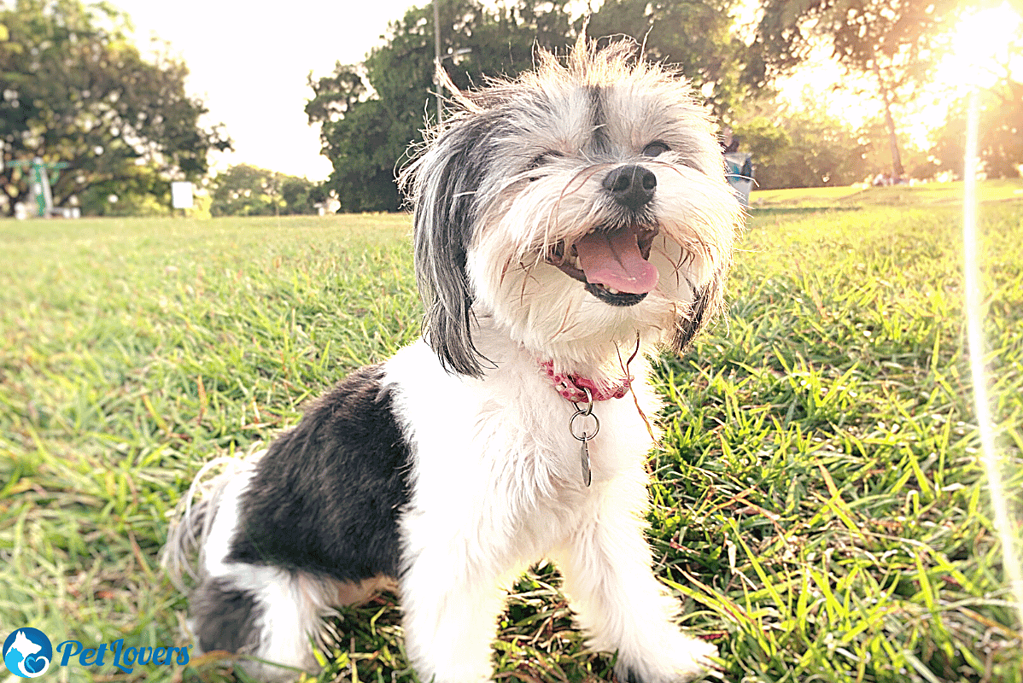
<point x="369" y="114"/>
<point x="804" y="146"/>
<point x="895" y="42"/>
<point x="245" y="190"/>
<point x="1000" y="133"/>
<point x="134" y="191"/>
<point x="876" y="147"/>
<point x="301" y="195"/>
<point x="1000" y="139"/>
<point x="73" y="88"/>
<point x="697" y="36"/>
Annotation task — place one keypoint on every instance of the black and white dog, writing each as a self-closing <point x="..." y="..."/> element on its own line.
<point x="566" y="224"/>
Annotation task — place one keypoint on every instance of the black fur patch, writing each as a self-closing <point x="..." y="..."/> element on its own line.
<point x="225" y="617"/>
<point x="327" y="495"/>
<point x="445" y="218"/>
<point x="630" y="676"/>
<point x="706" y="304"/>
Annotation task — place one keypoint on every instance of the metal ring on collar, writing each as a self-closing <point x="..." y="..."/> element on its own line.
<point x="589" y="403"/>
<point x="586" y="436"/>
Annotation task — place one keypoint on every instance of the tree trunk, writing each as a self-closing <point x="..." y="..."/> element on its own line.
<point x="893" y="141"/>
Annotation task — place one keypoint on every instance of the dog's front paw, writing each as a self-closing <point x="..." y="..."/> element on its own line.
<point x="683" y="659"/>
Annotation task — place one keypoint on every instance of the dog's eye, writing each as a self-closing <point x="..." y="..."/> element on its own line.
<point x="655" y="149"/>
<point x="541" y="159"/>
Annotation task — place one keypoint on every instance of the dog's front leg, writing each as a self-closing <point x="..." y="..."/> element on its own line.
<point x="451" y="609"/>
<point x="606" y="564"/>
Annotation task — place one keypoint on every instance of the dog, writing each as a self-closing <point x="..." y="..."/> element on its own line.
<point x="567" y="224"/>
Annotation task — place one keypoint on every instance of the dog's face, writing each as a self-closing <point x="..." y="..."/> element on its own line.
<point x="576" y="208"/>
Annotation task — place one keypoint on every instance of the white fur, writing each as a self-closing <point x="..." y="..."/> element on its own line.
<point x="293" y="604"/>
<point x="225" y="522"/>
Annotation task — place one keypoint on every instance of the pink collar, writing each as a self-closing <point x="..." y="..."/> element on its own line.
<point x="573" y="387"/>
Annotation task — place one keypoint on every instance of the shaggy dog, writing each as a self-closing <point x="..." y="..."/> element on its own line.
<point x="567" y="224"/>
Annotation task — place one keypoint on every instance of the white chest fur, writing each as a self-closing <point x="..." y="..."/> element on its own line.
<point x="498" y="451"/>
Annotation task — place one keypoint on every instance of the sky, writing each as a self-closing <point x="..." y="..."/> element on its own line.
<point x="249" y="63"/>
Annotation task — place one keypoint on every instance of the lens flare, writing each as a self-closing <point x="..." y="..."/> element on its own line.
<point x="975" y="340"/>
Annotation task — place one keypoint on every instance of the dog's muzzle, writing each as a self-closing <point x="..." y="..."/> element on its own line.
<point x="611" y="261"/>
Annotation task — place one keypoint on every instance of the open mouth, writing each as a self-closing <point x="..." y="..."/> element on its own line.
<point x="611" y="263"/>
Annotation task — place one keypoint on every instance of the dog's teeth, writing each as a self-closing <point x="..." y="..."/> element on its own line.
<point x="612" y="291"/>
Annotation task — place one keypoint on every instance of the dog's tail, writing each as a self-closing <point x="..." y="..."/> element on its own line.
<point x="183" y="556"/>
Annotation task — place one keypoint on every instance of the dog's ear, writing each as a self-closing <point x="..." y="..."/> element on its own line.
<point x="707" y="302"/>
<point x="443" y="184"/>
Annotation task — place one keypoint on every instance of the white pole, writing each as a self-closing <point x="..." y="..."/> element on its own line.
<point x="436" y="60"/>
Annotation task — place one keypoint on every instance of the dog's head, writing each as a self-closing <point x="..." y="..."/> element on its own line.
<point x="576" y="208"/>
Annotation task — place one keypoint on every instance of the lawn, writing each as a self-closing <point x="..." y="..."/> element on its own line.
<point x="928" y="194"/>
<point x="818" y="504"/>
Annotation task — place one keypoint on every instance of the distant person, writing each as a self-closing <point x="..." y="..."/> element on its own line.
<point x="729" y="143"/>
<point x="739" y="165"/>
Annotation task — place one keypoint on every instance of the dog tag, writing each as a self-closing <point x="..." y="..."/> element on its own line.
<point x="584" y="460"/>
<point x="583" y="436"/>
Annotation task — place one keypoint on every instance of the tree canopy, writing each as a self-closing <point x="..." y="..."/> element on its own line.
<point x="696" y="36"/>
<point x="804" y="146"/>
<point x="73" y="88"/>
<point x="1000" y="139"/>
<point x="370" y="113"/>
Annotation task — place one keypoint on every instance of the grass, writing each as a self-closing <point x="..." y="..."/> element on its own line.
<point x="855" y="197"/>
<point x="818" y="504"/>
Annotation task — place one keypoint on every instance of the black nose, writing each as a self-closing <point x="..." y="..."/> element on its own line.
<point x="631" y="186"/>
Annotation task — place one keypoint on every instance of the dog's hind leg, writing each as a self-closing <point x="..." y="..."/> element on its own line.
<point x="273" y="616"/>
<point x="259" y="611"/>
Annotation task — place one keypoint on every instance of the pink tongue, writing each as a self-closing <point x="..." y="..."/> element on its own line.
<point x="613" y="260"/>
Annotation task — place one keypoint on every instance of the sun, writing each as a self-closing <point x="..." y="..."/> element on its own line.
<point x="981" y="48"/>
